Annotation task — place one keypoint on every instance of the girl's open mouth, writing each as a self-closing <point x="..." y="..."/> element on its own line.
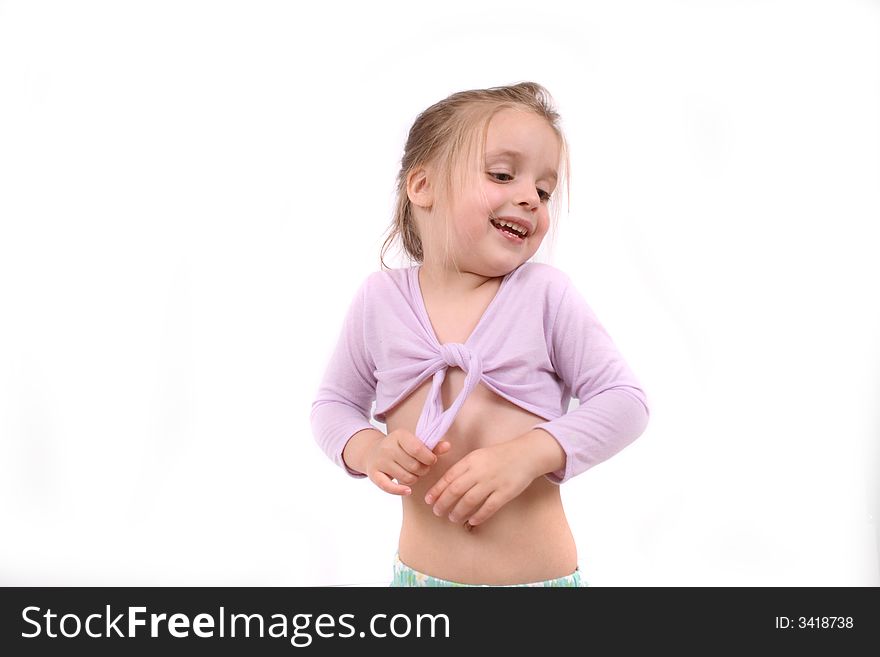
<point x="508" y="232"/>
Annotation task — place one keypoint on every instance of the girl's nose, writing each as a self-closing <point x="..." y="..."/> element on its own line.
<point x="527" y="194"/>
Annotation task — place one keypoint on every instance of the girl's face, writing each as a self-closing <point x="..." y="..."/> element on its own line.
<point x="518" y="176"/>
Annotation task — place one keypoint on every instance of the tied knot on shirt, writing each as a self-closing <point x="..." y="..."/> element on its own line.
<point x="434" y="421"/>
<point x="456" y="354"/>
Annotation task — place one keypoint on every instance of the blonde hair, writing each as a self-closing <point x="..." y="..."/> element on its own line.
<point x="450" y="137"/>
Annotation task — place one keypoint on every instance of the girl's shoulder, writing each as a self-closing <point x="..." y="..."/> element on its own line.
<point x="389" y="283"/>
<point x="395" y="277"/>
<point x="543" y="277"/>
<point x="541" y="271"/>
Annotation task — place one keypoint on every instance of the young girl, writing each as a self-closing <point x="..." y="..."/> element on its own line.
<point x="473" y="354"/>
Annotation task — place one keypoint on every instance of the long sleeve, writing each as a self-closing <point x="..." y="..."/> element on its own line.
<point x="342" y="405"/>
<point x="613" y="409"/>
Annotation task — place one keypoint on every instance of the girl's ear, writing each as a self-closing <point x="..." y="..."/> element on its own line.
<point x="418" y="187"/>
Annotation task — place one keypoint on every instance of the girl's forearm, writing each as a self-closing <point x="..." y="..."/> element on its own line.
<point x="357" y="447"/>
<point x="545" y="453"/>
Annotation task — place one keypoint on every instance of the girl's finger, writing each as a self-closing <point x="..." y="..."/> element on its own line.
<point x="447" y="478"/>
<point x="418" y="450"/>
<point x="469" y="503"/>
<point x="404" y="476"/>
<point x="410" y="464"/>
<point x="384" y="482"/>
<point x="449" y="498"/>
<point x="492" y="503"/>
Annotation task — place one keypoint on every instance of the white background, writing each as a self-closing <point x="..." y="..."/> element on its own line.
<point x="191" y="192"/>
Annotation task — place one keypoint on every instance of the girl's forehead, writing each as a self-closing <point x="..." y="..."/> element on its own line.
<point x="525" y="135"/>
<point x="516" y="120"/>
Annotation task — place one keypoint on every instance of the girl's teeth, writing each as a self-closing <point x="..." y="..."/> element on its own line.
<point x="516" y="229"/>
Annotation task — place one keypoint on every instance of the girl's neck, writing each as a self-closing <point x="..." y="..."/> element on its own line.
<point x="450" y="282"/>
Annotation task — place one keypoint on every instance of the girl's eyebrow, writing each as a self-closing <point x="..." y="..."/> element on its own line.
<point x="516" y="154"/>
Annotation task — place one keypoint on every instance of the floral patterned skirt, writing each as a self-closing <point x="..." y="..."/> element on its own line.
<point x="406" y="576"/>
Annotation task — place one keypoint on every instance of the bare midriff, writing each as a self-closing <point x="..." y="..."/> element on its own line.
<point x="527" y="540"/>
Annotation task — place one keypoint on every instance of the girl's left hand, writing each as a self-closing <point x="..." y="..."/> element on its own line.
<point x="476" y="487"/>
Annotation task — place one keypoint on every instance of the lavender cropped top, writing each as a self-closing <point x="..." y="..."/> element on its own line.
<point x="537" y="344"/>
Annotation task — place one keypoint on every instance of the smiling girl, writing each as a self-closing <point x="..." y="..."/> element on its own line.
<point x="473" y="354"/>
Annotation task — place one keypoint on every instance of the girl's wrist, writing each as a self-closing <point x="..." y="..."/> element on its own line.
<point x="543" y="452"/>
<point x="355" y="451"/>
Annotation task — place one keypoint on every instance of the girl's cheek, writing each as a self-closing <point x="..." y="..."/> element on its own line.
<point x="544" y="225"/>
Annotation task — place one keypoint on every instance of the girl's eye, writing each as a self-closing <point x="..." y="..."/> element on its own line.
<point x="545" y="196"/>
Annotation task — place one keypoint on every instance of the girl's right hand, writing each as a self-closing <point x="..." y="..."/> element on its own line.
<point x="402" y="456"/>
